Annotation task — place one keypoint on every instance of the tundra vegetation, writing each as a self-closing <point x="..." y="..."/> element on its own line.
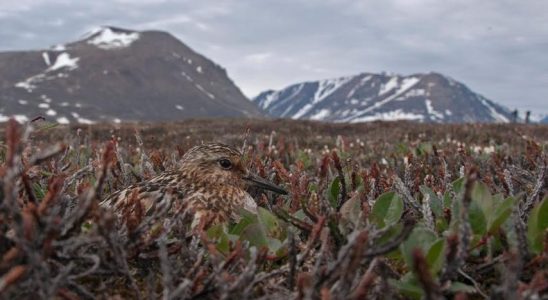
<point x="378" y="210"/>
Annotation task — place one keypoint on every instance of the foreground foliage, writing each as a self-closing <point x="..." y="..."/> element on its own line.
<point x="412" y="212"/>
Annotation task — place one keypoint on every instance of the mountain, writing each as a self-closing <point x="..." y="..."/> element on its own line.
<point x="114" y="74"/>
<point x="365" y="97"/>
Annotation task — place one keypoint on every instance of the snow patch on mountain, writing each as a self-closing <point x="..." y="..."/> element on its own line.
<point x="320" y="115"/>
<point x="323" y="91"/>
<point x="406" y="84"/>
<point x="108" y="39"/>
<point x="359" y="85"/>
<point x="45" y="55"/>
<point x="85" y="121"/>
<point x="64" y="61"/>
<point x="431" y="111"/>
<point x="390" y="85"/>
<point x="59" y="47"/>
<point x="63" y="120"/>
<point x="327" y="87"/>
<point x="414" y="93"/>
<point x="496" y="115"/>
<point x="185" y="75"/>
<point x="270" y="97"/>
<point x="395" y="115"/>
<point x="210" y="95"/>
<point x="303" y="111"/>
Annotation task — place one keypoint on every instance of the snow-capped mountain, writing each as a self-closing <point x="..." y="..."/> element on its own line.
<point x="365" y="97"/>
<point x="114" y="74"/>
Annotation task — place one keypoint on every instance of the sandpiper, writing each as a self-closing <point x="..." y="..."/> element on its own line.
<point x="212" y="181"/>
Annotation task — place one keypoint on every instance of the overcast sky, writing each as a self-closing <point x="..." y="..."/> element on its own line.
<point x="499" y="48"/>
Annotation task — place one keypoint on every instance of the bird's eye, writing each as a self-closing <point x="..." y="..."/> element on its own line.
<point x="225" y="163"/>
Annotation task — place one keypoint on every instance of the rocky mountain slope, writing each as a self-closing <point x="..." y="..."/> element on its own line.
<point x="365" y="97"/>
<point x="114" y="74"/>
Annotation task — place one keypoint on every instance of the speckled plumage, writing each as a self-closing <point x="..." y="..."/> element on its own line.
<point x="203" y="182"/>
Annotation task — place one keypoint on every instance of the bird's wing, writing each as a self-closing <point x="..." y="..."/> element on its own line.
<point x="159" y="191"/>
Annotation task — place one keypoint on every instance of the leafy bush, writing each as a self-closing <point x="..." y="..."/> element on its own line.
<point x="413" y="211"/>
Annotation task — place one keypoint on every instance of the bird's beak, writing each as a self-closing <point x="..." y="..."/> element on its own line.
<point x="264" y="184"/>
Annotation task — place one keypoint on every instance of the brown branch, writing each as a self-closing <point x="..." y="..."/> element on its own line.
<point x="342" y="180"/>
<point x="12" y="276"/>
<point x="420" y="267"/>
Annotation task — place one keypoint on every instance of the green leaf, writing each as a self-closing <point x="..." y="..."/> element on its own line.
<point x="300" y="215"/>
<point x="350" y="213"/>
<point x="388" y="234"/>
<point x="503" y="210"/>
<point x="266" y="218"/>
<point x="246" y="218"/>
<point x="39" y="192"/>
<point x="435" y="256"/>
<point x="410" y="289"/>
<point x="459" y="287"/>
<point x="387" y="209"/>
<point x="46" y="173"/>
<point x="421" y="238"/>
<point x="482" y="196"/>
<point x="86" y="226"/>
<point x="218" y="233"/>
<point x="274" y="244"/>
<point x="537" y="225"/>
<point x="435" y="202"/>
<point x="260" y="230"/>
<point x="271" y="224"/>
<point x="255" y="234"/>
<point x="47" y="126"/>
<point x="359" y="183"/>
<point x="456" y="208"/>
<point x="447" y="200"/>
<point x="402" y="148"/>
<point x="458" y="185"/>
<point x="478" y="222"/>
<point x="441" y="225"/>
<point x="334" y="191"/>
<point x="424" y="148"/>
<point x="215" y="231"/>
<point x="304" y="158"/>
<point x="543" y="215"/>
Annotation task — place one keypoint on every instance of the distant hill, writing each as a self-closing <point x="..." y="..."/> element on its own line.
<point x="365" y="97"/>
<point x="114" y="74"/>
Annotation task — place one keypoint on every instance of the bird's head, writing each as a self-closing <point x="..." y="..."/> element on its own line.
<point x="219" y="164"/>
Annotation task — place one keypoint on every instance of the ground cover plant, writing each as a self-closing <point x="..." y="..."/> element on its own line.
<point x="377" y="210"/>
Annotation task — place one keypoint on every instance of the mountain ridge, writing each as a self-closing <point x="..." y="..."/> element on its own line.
<point x="113" y="75"/>
<point x="424" y="97"/>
